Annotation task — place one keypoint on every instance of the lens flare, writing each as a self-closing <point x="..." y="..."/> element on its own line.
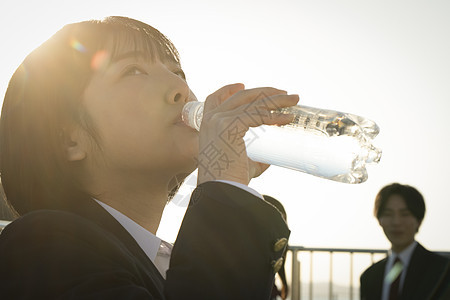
<point x="100" y="60"/>
<point x="77" y="45"/>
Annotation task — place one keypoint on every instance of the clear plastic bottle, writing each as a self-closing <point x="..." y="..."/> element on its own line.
<point x="321" y="142"/>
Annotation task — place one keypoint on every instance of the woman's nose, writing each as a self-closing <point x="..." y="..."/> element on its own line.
<point x="179" y="91"/>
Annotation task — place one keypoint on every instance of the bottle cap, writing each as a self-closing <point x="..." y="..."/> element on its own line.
<point x="374" y="155"/>
<point x="192" y="114"/>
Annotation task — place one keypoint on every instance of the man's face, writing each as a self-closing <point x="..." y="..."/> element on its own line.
<point x="399" y="224"/>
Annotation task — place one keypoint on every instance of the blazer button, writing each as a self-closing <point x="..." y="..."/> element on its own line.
<point x="277" y="264"/>
<point x="280" y="244"/>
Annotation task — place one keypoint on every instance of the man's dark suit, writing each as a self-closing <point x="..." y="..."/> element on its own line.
<point x="427" y="277"/>
<point x="224" y="250"/>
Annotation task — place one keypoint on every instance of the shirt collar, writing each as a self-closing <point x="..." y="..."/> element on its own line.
<point x="404" y="256"/>
<point x="148" y="242"/>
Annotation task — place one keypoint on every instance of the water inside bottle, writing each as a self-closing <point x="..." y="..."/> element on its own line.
<point x="338" y="157"/>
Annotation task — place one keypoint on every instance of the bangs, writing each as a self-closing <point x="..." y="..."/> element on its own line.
<point x="142" y="38"/>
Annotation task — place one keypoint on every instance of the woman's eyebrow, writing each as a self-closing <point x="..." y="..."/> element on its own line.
<point x="131" y="54"/>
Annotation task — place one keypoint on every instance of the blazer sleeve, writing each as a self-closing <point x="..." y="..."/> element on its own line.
<point x="371" y="281"/>
<point x="363" y="286"/>
<point x="226" y="246"/>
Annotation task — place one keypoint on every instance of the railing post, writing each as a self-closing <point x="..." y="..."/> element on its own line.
<point x="295" y="280"/>
<point x="311" y="276"/>
<point x="330" y="288"/>
<point x="351" y="275"/>
<point x="299" y="280"/>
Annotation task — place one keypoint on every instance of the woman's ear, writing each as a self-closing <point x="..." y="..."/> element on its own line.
<point x="75" y="142"/>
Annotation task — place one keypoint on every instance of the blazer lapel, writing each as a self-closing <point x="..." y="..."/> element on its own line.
<point x="418" y="281"/>
<point x="91" y="210"/>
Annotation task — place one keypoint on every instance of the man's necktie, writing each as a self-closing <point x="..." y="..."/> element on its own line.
<point x="395" y="273"/>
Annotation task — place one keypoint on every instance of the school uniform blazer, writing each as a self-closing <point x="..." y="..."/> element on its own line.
<point x="427" y="277"/>
<point x="224" y="250"/>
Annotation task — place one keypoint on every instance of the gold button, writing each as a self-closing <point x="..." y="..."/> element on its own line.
<point x="277" y="264"/>
<point x="280" y="244"/>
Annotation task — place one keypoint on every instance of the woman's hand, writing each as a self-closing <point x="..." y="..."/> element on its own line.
<point x="228" y="115"/>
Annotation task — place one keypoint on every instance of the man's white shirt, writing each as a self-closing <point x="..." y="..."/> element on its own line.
<point x="405" y="258"/>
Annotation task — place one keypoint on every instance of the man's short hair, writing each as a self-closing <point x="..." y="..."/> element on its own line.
<point x="413" y="199"/>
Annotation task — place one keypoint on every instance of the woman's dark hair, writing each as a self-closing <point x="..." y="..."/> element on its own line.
<point x="43" y="101"/>
<point x="413" y="199"/>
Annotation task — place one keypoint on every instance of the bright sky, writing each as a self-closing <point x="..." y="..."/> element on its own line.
<point x="385" y="60"/>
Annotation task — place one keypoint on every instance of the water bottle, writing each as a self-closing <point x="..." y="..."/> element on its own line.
<point x="320" y="142"/>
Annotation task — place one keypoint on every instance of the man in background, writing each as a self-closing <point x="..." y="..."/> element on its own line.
<point x="409" y="271"/>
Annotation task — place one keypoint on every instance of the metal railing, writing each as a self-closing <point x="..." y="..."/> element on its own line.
<point x="352" y="292"/>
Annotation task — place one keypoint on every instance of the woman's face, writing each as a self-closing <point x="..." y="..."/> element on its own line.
<point x="135" y="105"/>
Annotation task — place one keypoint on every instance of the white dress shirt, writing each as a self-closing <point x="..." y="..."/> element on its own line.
<point x="405" y="258"/>
<point x="157" y="250"/>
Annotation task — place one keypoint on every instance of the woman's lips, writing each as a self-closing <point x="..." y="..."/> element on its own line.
<point x="179" y="122"/>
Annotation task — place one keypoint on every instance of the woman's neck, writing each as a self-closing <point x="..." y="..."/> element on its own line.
<point x="143" y="201"/>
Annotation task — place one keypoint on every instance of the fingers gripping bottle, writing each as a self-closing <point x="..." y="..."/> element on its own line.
<point x="320" y="142"/>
